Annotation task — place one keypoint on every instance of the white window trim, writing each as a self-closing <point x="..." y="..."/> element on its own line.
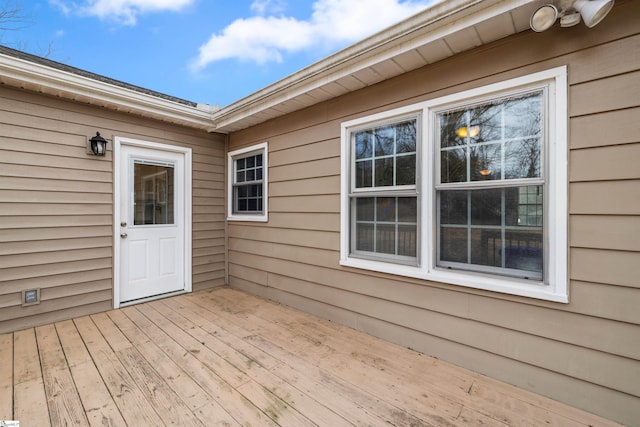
<point x="554" y="286"/>
<point x="259" y="217"/>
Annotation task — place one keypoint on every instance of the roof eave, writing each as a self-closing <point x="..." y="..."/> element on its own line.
<point x="25" y="74"/>
<point x="447" y="18"/>
<point x="432" y="24"/>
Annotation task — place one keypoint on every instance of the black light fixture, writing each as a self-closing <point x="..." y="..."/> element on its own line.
<point x="98" y="145"/>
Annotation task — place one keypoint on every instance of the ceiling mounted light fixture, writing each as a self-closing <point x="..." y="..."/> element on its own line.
<point x="543" y="18"/>
<point x="593" y="11"/>
<point x="570" y="12"/>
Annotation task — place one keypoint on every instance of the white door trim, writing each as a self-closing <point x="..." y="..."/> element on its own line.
<point x="118" y="142"/>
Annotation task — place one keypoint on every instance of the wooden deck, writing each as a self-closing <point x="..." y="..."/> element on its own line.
<point x="223" y="357"/>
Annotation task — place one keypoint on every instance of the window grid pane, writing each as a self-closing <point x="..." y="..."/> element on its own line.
<point x="248" y="198"/>
<point x="385" y="156"/>
<point x="386" y="225"/>
<point x="249" y="169"/>
<point x="499" y="140"/>
<point x="493" y="232"/>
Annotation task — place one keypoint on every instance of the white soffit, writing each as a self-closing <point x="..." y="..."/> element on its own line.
<point x="441" y="31"/>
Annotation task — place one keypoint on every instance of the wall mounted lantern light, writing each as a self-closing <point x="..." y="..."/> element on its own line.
<point x="98" y="145"/>
<point x="570" y="12"/>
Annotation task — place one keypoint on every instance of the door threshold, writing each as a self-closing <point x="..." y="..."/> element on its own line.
<point x="151" y="298"/>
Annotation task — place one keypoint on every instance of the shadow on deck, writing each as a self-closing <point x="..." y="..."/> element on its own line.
<point x="223" y="357"/>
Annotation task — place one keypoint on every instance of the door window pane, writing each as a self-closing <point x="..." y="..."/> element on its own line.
<point x="153" y="187"/>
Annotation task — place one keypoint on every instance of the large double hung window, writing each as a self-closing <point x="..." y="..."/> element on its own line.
<point x="468" y="189"/>
<point x="490" y="185"/>
<point x="383" y="195"/>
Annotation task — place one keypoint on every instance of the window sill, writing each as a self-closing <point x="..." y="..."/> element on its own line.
<point x="506" y="285"/>
<point x="252" y="218"/>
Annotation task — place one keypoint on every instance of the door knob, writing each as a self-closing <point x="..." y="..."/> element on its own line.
<point x="123" y="235"/>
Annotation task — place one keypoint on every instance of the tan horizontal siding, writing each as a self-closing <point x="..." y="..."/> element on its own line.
<point x="305" y="153"/>
<point x="604" y="129"/>
<point x="621" y="233"/>
<point x="58" y="313"/>
<point x="312" y="203"/>
<point x="609" y="163"/>
<point x="620" y="268"/>
<point x="311" y="238"/>
<point x="70" y="222"/>
<point x="56" y="213"/>
<point x="34" y="159"/>
<point x="585" y="353"/>
<point x="605" y="197"/>
<point x="607" y="94"/>
<point x="306" y="221"/>
<point x="34" y="235"/>
<point x="43" y="271"/>
<point x="59" y="280"/>
<point x="297" y="254"/>
<point x="53" y="257"/>
<point x="323" y="185"/>
<point x="46" y="173"/>
<point x="305" y="170"/>
<point x="65" y="194"/>
<point x="209" y="280"/>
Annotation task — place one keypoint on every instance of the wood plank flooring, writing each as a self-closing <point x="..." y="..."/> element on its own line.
<point x="226" y="358"/>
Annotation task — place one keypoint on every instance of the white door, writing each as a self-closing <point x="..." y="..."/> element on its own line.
<point x="152" y="223"/>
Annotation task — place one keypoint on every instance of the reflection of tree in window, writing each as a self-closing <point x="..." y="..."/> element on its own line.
<point x="384" y="159"/>
<point x="497" y="227"/>
<point x="385" y="156"/>
<point x="498" y="140"/>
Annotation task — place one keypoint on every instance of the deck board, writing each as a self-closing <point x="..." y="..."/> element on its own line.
<point x="6" y="376"/>
<point x="29" y="397"/>
<point x="63" y="400"/>
<point x="226" y="358"/>
<point x="99" y="406"/>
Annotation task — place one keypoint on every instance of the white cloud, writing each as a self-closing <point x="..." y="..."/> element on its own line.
<point x="122" y="11"/>
<point x="262" y="7"/>
<point x="257" y="39"/>
<point x="333" y="23"/>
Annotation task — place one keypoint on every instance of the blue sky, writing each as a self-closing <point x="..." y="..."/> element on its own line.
<point x="209" y="51"/>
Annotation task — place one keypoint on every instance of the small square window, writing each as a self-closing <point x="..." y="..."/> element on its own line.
<point x="247" y="190"/>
